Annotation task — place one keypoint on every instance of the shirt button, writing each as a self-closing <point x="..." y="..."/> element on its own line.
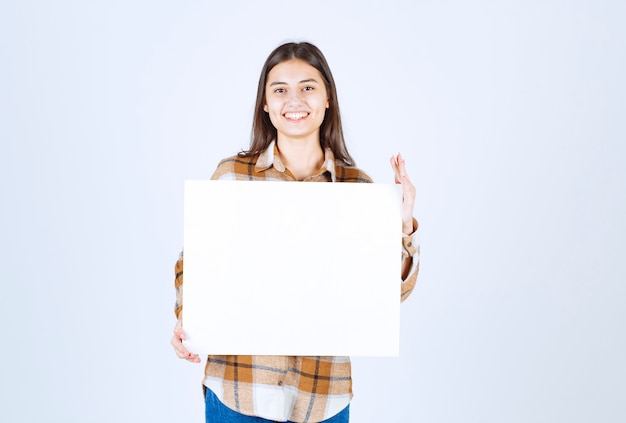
<point x="410" y="244"/>
<point x="280" y="383"/>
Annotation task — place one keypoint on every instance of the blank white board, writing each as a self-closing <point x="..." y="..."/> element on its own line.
<point x="292" y="268"/>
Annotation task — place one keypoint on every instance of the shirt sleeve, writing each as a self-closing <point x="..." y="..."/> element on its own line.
<point x="178" y="285"/>
<point x="178" y="268"/>
<point x="410" y="263"/>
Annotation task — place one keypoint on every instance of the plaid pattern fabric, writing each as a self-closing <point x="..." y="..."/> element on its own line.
<point x="299" y="389"/>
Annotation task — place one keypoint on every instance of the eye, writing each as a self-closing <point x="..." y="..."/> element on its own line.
<point x="308" y="88"/>
<point x="279" y="90"/>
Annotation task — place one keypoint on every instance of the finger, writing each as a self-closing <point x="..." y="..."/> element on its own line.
<point x="180" y="334"/>
<point x="401" y="166"/>
<point x="183" y="353"/>
<point x="393" y="160"/>
<point x="408" y="189"/>
<point x="178" y="330"/>
<point x="394" y="163"/>
<point x="403" y="176"/>
<point x="396" y="169"/>
<point x="189" y="356"/>
<point x="179" y="348"/>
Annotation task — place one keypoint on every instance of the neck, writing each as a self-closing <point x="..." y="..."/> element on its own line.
<point x="302" y="157"/>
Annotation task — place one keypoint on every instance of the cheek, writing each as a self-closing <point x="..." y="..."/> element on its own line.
<point x="322" y="103"/>
<point x="273" y="117"/>
<point x="272" y="107"/>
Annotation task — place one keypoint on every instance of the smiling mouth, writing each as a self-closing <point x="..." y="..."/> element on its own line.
<point x="295" y="115"/>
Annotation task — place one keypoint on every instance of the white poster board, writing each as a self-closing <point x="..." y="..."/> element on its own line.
<point x="288" y="268"/>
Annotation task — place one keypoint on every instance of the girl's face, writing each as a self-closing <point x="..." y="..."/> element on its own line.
<point x="296" y="100"/>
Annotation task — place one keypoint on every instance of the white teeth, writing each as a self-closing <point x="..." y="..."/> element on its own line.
<point x="296" y="116"/>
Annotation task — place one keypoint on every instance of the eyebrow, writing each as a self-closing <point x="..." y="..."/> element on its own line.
<point x="304" y="81"/>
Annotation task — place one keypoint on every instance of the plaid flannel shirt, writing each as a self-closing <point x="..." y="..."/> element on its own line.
<point x="299" y="389"/>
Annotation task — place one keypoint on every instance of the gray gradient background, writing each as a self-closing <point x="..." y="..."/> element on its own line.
<point x="511" y="118"/>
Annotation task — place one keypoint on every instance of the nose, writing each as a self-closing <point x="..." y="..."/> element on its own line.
<point x="294" y="97"/>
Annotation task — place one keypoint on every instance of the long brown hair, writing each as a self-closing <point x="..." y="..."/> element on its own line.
<point x="331" y="132"/>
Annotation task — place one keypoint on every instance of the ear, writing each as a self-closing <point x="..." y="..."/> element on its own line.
<point x="265" y="108"/>
<point x="328" y="104"/>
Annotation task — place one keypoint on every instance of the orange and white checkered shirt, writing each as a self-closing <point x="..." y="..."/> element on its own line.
<point x="281" y="388"/>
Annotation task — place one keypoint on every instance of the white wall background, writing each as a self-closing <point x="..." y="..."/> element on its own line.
<point x="510" y="115"/>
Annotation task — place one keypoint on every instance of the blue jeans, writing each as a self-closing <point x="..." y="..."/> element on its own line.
<point x="216" y="412"/>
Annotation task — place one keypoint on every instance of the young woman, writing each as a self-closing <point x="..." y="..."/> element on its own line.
<point x="296" y="136"/>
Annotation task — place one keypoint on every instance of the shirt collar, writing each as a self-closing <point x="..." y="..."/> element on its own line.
<point x="271" y="157"/>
